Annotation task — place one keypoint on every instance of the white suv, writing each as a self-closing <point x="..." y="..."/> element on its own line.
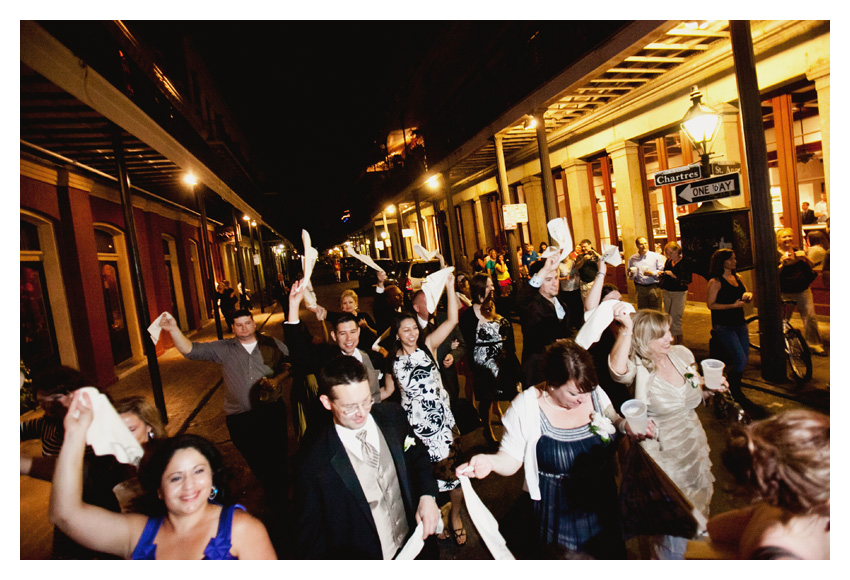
<point x="411" y="278"/>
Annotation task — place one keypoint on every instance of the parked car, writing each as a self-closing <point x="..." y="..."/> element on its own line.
<point x="411" y="278"/>
<point x="352" y="268"/>
<point x="369" y="276"/>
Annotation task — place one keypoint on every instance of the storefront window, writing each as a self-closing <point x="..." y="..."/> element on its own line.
<point x="795" y="155"/>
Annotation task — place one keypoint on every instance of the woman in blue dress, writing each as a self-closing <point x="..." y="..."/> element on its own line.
<point x="564" y="432"/>
<point x="179" y="477"/>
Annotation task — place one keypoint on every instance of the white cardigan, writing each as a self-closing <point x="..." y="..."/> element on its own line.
<point x="522" y="430"/>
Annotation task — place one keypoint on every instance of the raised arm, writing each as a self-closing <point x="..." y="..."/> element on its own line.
<point x="618" y="360"/>
<point x="593" y="297"/>
<point x="440" y="333"/>
<point x="183" y="344"/>
<point x="88" y="525"/>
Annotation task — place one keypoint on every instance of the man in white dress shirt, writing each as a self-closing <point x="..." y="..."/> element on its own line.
<point x="645" y="269"/>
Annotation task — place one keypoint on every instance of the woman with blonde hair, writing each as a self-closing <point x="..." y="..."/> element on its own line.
<point x="795" y="276"/>
<point x="350" y="303"/>
<point x="665" y="377"/>
<point x="784" y="461"/>
<point x="141" y="418"/>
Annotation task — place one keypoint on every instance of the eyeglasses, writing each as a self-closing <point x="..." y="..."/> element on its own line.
<point x="349" y="410"/>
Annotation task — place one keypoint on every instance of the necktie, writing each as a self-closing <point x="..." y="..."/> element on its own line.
<point x="370" y="454"/>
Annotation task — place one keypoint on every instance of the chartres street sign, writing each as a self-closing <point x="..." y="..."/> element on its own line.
<point x="717" y="187"/>
<point x="678" y="174"/>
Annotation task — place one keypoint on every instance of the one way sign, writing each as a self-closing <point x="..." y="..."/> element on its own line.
<point x="718" y="187"/>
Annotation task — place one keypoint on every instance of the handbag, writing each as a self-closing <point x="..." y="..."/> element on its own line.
<point x="650" y="503"/>
<point x="796" y="277"/>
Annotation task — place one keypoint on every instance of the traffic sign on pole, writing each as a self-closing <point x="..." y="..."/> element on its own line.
<point x="718" y="187"/>
<point x="678" y="174"/>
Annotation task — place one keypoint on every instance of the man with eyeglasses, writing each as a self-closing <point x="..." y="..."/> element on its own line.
<point x="365" y="481"/>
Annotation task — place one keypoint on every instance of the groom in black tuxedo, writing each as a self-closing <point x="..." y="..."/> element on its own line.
<point x="364" y="481"/>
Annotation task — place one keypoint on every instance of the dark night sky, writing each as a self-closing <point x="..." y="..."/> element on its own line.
<point x="331" y="87"/>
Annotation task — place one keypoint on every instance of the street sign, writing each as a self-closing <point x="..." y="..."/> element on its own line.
<point x="717" y="187"/>
<point x="678" y="174"/>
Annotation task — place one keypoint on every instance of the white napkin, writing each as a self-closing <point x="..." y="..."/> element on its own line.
<point x="108" y="435"/>
<point x="597" y="320"/>
<point x="611" y="255"/>
<point x="485" y="523"/>
<point x="424" y="253"/>
<point x="433" y="287"/>
<point x="365" y="259"/>
<point x="155" y="329"/>
<point x="415" y="544"/>
<point x="308" y="260"/>
<point x="560" y="232"/>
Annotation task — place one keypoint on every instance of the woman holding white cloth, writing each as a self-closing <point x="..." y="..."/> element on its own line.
<point x="564" y="432"/>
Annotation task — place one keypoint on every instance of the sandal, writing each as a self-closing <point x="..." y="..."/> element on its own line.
<point x="459" y="535"/>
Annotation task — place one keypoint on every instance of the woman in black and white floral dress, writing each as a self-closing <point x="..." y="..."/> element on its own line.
<point x="413" y="367"/>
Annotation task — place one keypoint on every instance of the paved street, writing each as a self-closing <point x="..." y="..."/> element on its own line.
<point x="194" y="397"/>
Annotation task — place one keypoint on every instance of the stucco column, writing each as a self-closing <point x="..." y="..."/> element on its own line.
<point x="629" y="197"/>
<point x="820" y="74"/>
<point x="470" y="239"/>
<point x="549" y="197"/>
<point x="578" y="198"/>
<point x="533" y="191"/>
<point x="505" y="196"/>
<point x="484" y="241"/>
<point x="629" y="194"/>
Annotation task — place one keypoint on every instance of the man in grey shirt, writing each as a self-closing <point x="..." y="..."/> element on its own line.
<point x="253" y="367"/>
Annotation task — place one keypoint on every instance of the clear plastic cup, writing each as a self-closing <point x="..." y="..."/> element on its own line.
<point x="712" y="372"/>
<point x="635" y="413"/>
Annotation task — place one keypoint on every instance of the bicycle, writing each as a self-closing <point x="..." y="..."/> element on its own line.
<point x="796" y="348"/>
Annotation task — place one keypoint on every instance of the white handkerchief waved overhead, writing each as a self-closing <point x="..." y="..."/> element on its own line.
<point x="108" y="435"/>
<point x="611" y="255"/>
<point x="424" y="253"/>
<point x="433" y="287"/>
<point x="597" y="320"/>
<point x="363" y="258"/>
<point x="560" y="232"/>
<point x="155" y="329"/>
<point x="308" y="260"/>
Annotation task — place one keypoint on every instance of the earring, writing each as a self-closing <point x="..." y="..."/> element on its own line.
<point x="150" y="434"/>
<point x="213" y="493"/>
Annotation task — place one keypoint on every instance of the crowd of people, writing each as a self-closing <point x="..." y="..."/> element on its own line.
<point x="380" y="418"/>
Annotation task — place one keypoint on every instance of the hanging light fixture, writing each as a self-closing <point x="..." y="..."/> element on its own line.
<point x="700" y="124"/>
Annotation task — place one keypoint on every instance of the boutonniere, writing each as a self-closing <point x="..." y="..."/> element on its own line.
<point x="409" y="442"/>
<point x="602" y="426"/>
<point x="692" y="376"/>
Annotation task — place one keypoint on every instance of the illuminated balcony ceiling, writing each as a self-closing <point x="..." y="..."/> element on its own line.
<point x="673" y="47"/>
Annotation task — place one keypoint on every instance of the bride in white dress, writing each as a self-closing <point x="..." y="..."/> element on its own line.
<point x="665" y="377"/>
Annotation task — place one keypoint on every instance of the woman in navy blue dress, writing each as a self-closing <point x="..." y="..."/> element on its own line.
<point x="564" y="432"/>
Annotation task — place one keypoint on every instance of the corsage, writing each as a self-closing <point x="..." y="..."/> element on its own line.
<point x="602" y="426"/>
